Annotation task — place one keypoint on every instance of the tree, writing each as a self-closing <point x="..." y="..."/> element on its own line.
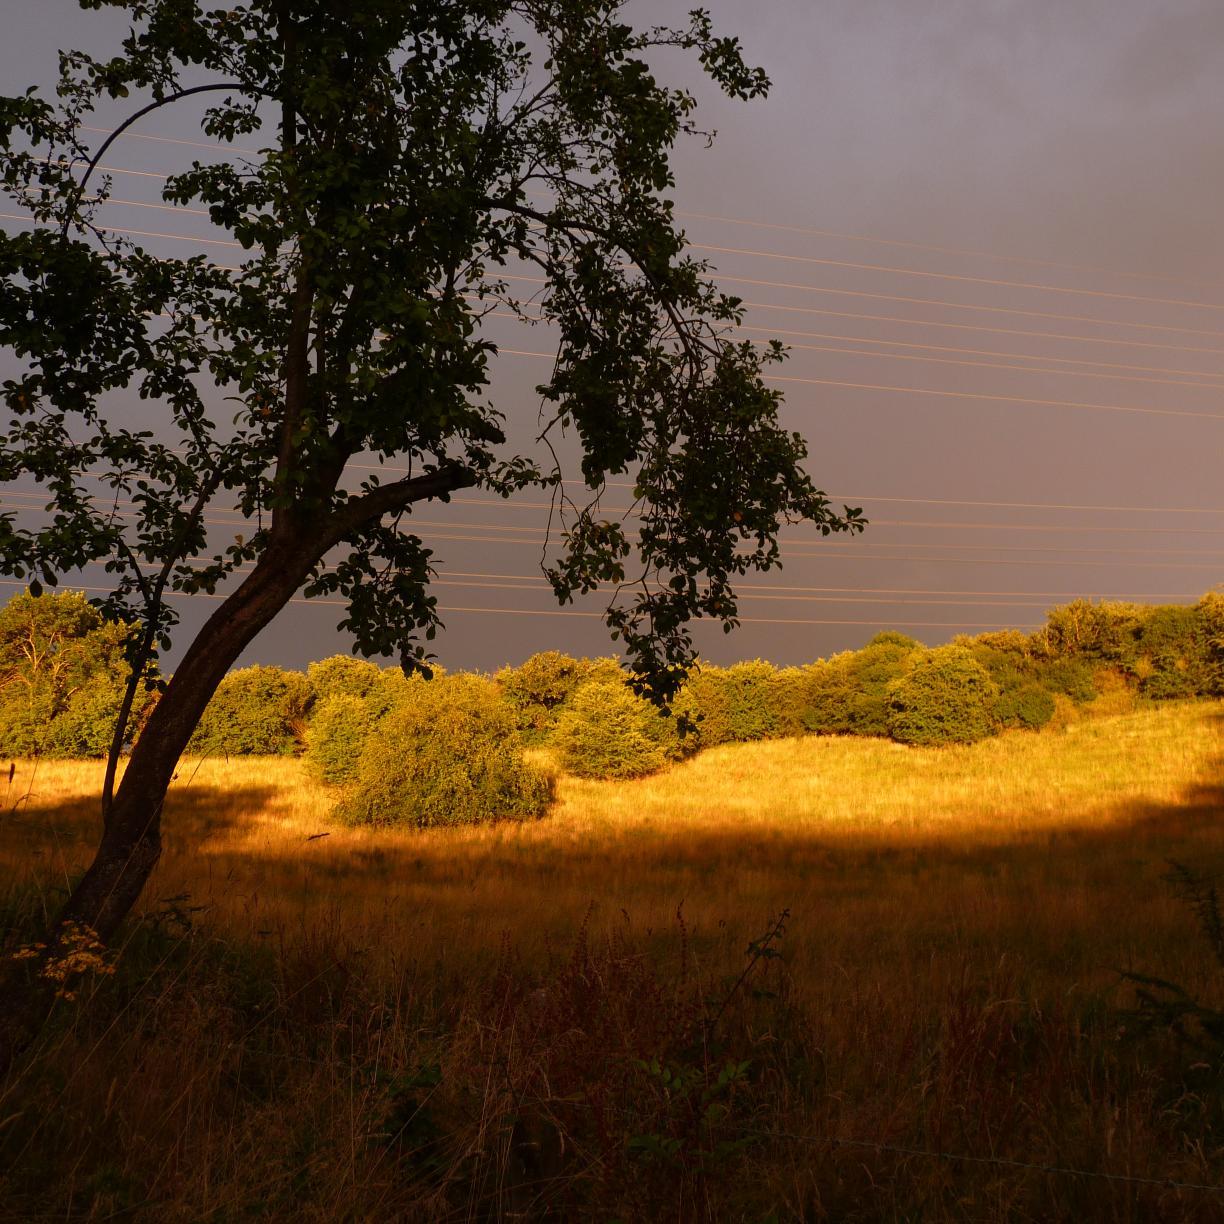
<point x="424" y="155"/>
<point x="62" y="676"/>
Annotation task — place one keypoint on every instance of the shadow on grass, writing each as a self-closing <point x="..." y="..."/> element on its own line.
<point x="516" y="878"/>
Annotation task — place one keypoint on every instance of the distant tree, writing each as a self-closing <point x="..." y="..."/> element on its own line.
<point x="419" y="150"/>
<point x="63" y="671"/>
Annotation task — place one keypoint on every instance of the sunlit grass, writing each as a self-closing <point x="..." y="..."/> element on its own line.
<point x="1023" y="828"/>
<point x="932" y="893"/>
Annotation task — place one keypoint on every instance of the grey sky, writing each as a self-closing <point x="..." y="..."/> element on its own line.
<point x="1084" y="133"/>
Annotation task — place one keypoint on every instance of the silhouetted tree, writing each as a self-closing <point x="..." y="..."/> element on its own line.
<point x="422" y="150"/>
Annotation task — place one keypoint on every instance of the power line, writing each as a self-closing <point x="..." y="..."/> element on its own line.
<point x="1010" y="310"/>
<point x="447" y="611"/>
<point x="1071" y="595"/>
<point x="195" y="144"/>
<point x="895" y="270"/>
<point x="241" y="518"/>
<point x="835" y="263"/>
<point x="943" y="250"/>
<point x="977" y="327"/>
<point x="865" y="498"/>
<point x="966" y="395"/>
<point x="741" y="280"/>
<point x="973" y="365"/>
<point x="926" y="501"/>
<point x="771" y="225"/>
<point x="841" y="314"/>
<point x="981" y="365"/>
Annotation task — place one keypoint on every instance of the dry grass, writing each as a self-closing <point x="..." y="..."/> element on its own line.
<point x="957" y="920"/>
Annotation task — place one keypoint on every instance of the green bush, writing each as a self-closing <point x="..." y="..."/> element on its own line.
<point x="607" y="731"/>
<point x="790" y="696"/>
<point x="450" y="756"/>
<point x="753" y="701"/>
<point x="337" y="737"/>
<point x="63" y="671"/>
<point x="255" y="711"/>
<point x="703" y="701"/>
<point x="1071" y="677"/>
<point x="1106" y="630"/>
<point x="1211" y="617"/>
<point x="1176" y="654"/>
<point x="393" y="689"/>
<point x="341" y="676"/>
<point x="848" y="694"/>
<point x="1029" y="706"/>
<point x="945" y="697"/>
<point x="539" y="687"/>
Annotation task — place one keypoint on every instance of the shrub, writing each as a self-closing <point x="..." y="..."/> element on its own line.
<point x="1211" y="617"/>
<point x="391" y="690"/>
<point x="607" y="731"/>
<point x="539" y="687"/>
<point x="703" y="701"/>
<point x="341" y="676"/>
<point x="337" y="736"/>
<point x="848" y="694"/>
<point x="790" y="695"/>
<point x="1107" y="631"/>
<point x="255" y="711"/>
<point x="449" y="756"/>
<point x="1072" y="678"/>
<point x="1029" y="706"/>
<point x="753" y="701"/>
<point x="1176" y="654"/>
<point x="945" y="697"/>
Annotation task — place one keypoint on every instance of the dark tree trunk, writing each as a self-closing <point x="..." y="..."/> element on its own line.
<point x="131" y="835"/>
<point x="131" y="839"/>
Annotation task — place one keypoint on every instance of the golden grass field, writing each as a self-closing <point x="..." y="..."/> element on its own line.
<point x="948" y="982"/>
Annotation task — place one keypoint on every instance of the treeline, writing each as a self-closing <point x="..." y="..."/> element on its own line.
<point x="450" y="748"/>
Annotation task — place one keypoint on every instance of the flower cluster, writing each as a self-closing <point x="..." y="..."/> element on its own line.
<point x="77" y="952"/>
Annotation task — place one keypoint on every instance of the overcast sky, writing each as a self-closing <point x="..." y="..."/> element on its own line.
<point x="1007" y="212"/>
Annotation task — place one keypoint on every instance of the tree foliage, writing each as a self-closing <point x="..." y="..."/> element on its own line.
<point x="375" y="236"/>
<point x="419" y="166"/>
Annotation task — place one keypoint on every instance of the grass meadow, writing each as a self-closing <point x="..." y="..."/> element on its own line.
<point x="594" y="1015"/>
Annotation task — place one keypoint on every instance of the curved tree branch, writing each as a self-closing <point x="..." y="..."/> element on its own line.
<point x="127" y="123"/>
